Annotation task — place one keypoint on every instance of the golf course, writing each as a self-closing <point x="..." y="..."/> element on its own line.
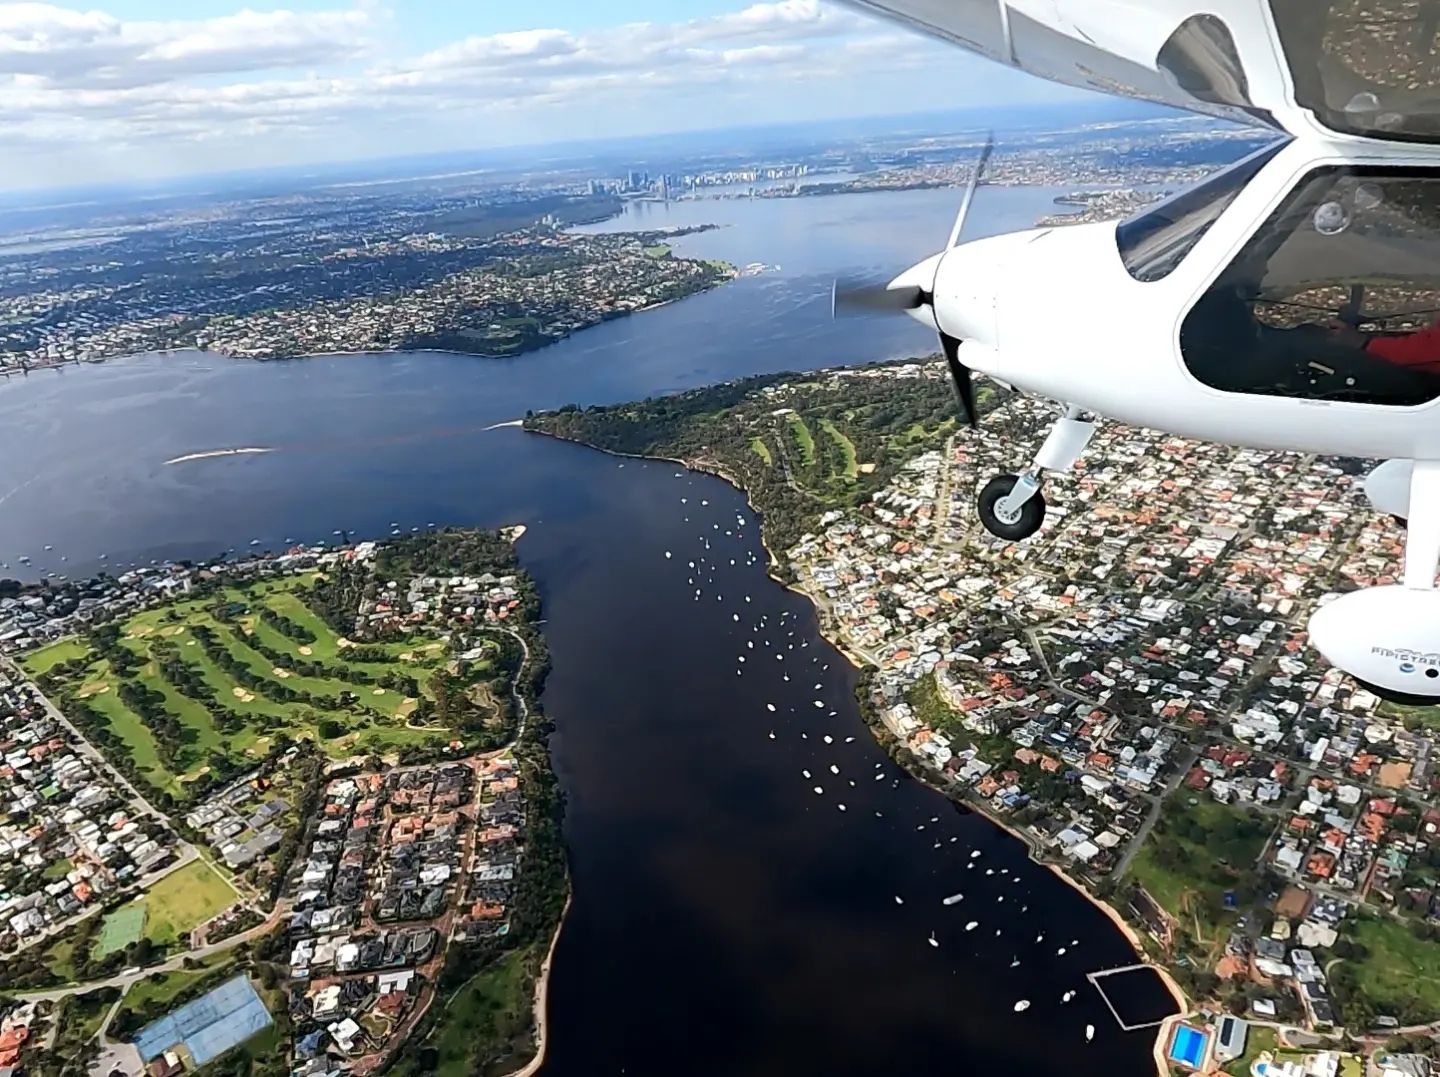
<point x="202" y="685"/>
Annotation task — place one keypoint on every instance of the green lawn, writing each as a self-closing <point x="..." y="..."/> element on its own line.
<point x="847" y="447"/>
<point x="657" y="250"/>
<point x="803" y="440"/>
<point x="46" y="658"/>
<point x="760" y="449"/>
<point x="120" y="928"/>
<point x="490" y="1011"/>
<point x="1197" y="849"/>
<point x="1398" y="967"/>
<point x="1259" y="1038"/>
<point x="182" y="900"/>
<point x="376" y="721"/>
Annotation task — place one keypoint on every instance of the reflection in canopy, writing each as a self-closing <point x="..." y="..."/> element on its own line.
<point x="1365" y="67"/>
<point x="1335" y="297"/>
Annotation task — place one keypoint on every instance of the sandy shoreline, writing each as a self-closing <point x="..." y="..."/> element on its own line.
<point x="542" y="995"/>
<point x="1109" y="911"/>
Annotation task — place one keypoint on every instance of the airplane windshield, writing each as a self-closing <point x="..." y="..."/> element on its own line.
<point x="1336" y="297"/>
<point x="1155" y="241"/>
<point x="1365" y="67"/>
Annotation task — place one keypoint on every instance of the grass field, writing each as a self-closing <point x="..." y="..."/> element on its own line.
<point x="1398" y="967"/>
<point x="120" y="928"/>
<point x="376" y="720"/>
<point x="181" y="901"/>
<point x="490" y="1011"/>
<point x="1201" y="845"/>
<point x="760" y="449"/>
<point x="846" y="446"/>
<point x="804" y="441"/>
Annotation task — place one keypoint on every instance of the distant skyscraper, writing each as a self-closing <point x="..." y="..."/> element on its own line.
<point x="665" y="188"/>
<point x="637" y="180"/>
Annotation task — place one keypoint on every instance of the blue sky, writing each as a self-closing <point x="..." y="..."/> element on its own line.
<point x="140" y="89"/>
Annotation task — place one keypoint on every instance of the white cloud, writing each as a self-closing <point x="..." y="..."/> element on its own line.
<point x="73" y="49"/>
<point x="121" y="87"/>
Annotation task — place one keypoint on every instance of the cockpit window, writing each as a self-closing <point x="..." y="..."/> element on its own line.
<point x="1365" y="67"/>
<point x="1336" y="297"/>
<point x="1156" y="240"/>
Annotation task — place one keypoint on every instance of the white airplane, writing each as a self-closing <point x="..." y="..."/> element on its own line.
<point x="1282" y="303"/>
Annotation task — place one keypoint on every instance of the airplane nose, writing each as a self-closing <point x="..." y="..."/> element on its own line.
<point x="965" y="286"/>
<point x="922" y="276"/>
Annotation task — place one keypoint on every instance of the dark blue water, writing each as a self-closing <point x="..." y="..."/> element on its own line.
<point x="727" y="918"/>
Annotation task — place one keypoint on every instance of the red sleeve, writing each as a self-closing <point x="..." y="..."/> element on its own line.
<point x="1412" y="349"/>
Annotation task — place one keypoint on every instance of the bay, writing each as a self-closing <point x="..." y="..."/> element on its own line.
<point x="727" y="918"/>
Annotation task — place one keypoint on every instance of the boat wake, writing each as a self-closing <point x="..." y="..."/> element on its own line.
<point x="217" y="452"/>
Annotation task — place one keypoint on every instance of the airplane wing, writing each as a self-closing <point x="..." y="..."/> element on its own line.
<point x="1342" y="69"/>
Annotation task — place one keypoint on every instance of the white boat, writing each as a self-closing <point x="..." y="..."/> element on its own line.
<point x="1067" y="996"/>
<point x="899" y="900"/>
<point x="972" y="925"/>
<point x="1022" y="1006"/>
<point x="1089" y="1033"/>
<point x="933" y="940"/>
<point x="952" y="899"/>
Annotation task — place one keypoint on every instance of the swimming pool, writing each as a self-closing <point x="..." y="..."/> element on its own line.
<point x="1187" y="1046"/>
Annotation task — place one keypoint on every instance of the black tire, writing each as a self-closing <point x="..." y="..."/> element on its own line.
<point x="1032" y="513"/>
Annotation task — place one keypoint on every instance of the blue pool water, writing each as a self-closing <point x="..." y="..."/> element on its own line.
<point x="1187" y="1046"/>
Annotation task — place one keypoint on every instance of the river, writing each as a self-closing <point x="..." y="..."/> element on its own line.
<point x="727" y="919"/>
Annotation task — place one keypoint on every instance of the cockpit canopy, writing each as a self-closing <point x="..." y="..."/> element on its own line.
<point x="1365" y="67"/>
<point x="1334" y="297"/>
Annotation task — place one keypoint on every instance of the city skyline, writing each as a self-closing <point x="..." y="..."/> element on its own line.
<point x="141" y="90"/>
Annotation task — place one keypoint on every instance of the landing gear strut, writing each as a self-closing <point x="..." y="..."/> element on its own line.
<point x="1011" y="506"/>
<point x="1007" y="522"/>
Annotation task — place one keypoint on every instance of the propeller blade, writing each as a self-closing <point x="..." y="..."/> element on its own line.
<point x="850" y="298"/>
<point x="960" y="379"/>
<point x="969" y="196"/>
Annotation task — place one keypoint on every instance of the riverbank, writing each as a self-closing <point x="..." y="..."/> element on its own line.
<point x="542" y="998"/>
<point x="891" y="740"/>
<point x="728" y="273"/>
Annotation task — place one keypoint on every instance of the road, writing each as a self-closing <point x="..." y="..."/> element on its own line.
<point x="125" y="979"/>
<point x="137" y="801"/>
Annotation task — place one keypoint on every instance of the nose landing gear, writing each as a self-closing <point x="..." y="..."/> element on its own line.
<point x="1011" y="506"/>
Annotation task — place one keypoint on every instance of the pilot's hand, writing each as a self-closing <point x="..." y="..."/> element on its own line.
<point x="1345" y="334"/>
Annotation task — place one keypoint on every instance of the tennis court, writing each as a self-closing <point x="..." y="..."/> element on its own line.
<point x="120" y="928"/>
<point x="208" y="1026"/>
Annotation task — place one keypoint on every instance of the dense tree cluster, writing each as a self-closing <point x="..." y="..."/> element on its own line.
<point x="793" y="470"/>
<point x="285" y="626"/>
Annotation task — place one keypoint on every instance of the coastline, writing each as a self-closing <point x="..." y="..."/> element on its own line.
<point x="857" y="662"/>
<point x="7" y="372"/>
<point x="542" y="997"/>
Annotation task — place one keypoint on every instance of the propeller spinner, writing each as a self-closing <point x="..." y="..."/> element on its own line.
<point x="913" y="292"/>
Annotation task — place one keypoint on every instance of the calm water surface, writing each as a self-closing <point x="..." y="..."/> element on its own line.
<point x="728" y="918"/>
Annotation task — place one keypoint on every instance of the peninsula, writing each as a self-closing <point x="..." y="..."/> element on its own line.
<point x="313" y="786"/>
<point x="1127" y="693"/>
